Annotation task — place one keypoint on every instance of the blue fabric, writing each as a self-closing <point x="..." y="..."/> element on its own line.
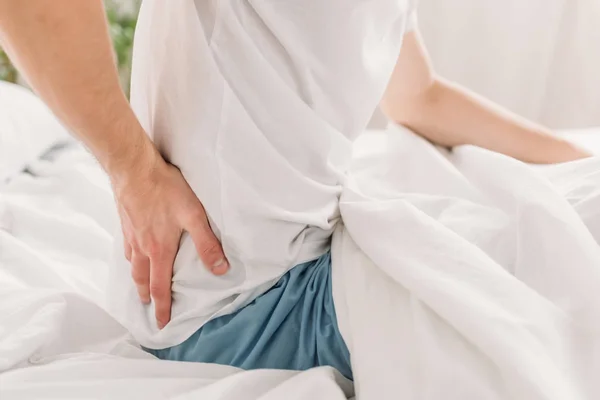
<point x="292" y="326"/>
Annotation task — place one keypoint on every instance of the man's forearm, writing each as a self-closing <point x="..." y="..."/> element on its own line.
<point x="450" y="115"/>
<point x="62" y="47"/>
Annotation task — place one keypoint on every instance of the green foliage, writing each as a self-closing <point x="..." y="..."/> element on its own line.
<point x="7" y="70"/>
<point x="122" y="29"/>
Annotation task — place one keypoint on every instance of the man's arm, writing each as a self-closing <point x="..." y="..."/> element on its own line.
<point x="63" y="49"/>
<point x="450" y="115"/>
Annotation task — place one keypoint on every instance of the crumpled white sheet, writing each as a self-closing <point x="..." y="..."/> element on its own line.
<point x="456" y="276"/>
<point x="27" y="129"/>
<point x="469" y="275"/>
<point x="56" y="340"/>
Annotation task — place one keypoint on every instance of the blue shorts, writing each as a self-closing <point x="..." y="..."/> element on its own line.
<point x="292" y="326"/>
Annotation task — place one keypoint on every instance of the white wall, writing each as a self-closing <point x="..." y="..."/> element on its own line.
<point x="540" y="58"/>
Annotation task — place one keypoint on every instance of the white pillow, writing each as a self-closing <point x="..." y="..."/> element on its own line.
<point x="27" y="129"/>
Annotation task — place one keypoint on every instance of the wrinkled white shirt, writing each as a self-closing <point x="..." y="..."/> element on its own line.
<point x="257" y="103"/>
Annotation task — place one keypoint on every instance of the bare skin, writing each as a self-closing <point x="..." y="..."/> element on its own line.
<point x="63" y="49"/>
<point x="450" y="115"/>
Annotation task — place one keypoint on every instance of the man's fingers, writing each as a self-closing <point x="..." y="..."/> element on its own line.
<point x="140" y="272"/>
<point x="161" y="276"/>
<point x="207" y="245"/>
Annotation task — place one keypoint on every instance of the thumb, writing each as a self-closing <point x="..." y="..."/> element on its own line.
<point x="207" y="245"/>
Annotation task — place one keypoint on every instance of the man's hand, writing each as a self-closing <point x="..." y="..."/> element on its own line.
<point x="156" y="205"/>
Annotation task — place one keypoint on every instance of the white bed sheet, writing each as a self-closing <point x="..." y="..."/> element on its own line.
<point x="56" y="340"/>
<point x="27" y="129"/>
<point x="467" y="274"/>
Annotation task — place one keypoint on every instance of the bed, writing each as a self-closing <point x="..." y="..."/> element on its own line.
<point x="56" y="338"/>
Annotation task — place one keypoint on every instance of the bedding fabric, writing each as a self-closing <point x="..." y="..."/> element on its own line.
<point x="56" y="339"/>
<point x="483" y="285"/>
<point x="486" y="282"/>
<point x="27" y="129"/>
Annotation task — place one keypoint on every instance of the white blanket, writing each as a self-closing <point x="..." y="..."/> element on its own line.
<point x="470" y="276"/>
<point x="56" y="340"/>
<point x="457" y="276"/>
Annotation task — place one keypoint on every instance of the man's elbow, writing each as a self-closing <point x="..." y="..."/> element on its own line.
<point x="410" y="109"/>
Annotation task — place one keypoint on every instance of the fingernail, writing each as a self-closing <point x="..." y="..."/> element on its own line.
<point x="160" y="324"/>
<point x="220" y="267"/>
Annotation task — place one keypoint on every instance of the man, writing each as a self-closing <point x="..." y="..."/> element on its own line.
<point x="324" y="84"/>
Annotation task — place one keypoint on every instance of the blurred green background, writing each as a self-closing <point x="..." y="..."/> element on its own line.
<point x="122" y="18"/>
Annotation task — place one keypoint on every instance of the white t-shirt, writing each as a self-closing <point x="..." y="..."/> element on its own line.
<point x="257" y="102"/>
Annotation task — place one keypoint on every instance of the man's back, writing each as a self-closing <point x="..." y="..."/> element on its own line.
<point x="257" y="103"/>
